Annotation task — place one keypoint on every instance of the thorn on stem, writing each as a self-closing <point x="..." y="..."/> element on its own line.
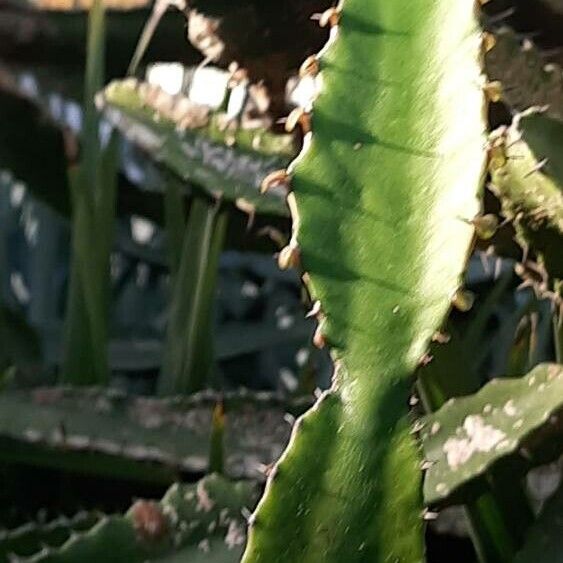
<point x="275" y="179"/>
<point x="463" y="300"/>
<point x="298" y="116"/>
<point x="441" y="337"/>
<point x="486" y="226"/>
<point x="289" y="257"/>
<point x="489" y="41"/>
<point x="493" y="90"/>
<point x="319" y="339"/>
<point x="315" y="310"/>
<point x="541" y="164"/>
<point x="310" y="67"/>
<point x="330" y="17"/>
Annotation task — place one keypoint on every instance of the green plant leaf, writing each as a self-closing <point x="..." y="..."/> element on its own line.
<point x="28" y="539"/>
<point x="188" y="359"/>
<point x="527" y="176"/>
<point x="175" y="222"/>
<point x="202" y="155"/>
<point x="544" y="541"/>
<point x="498" y="513"/>
<point x="197" y="522"/>
<point x="155" y="440"/>
<point x="468" y="435"/>
<point x="385" y="191"/>
<point x="93" y="189"/>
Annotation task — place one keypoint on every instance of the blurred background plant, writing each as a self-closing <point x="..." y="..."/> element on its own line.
<point x="146" y="332"/>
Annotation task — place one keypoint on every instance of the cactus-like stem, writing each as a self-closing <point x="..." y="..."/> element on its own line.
<point x="385" y="190"/>
<point x="201" y="520"/>
<point x="107" y="433"/>
<point x="527" y="176"/>
<point x="192" y="143"/>
<point x="30" y="537"/>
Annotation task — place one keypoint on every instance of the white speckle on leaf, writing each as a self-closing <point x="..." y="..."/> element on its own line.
<point x="204" y="502"/>
<point x="441" y="488"/>
<point x="502" y="445"/>
<point x="509" y="408"/>
<point x="480" y="437"/>
<point x="204" y="546"/>
<point x="457" y="451"/>
<point x="235" y="535"/>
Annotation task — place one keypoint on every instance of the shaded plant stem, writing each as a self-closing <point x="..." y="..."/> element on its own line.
<point x="188" y="360"/>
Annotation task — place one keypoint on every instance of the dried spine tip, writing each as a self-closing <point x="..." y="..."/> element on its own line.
<point x="315" y="310"/>
<point x="319" y="339"/>
<point x="425" y="360"/>
<point x="489" y="41"/>
<point x="289" y="257"/>
<point x="276" y="178"/>
<point x="463" y="300"/>
<point x="428" y="515"/>
<point x="330" y="17"/>
<point x="298" y="116"/>
<point x="496" y="151"/>
<point x="441" y="337"/>
<point x="486" y="226"/>
<point x="310" y="67"/>
<point x="493" y="90"/>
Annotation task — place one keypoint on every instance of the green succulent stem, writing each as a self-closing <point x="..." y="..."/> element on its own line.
<point x="527" y="177"/>
<point x="384" y="194"/>
<point x="490" y="535"/>
<point x="193" y="522"/>
<point x="174" y="221"/>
